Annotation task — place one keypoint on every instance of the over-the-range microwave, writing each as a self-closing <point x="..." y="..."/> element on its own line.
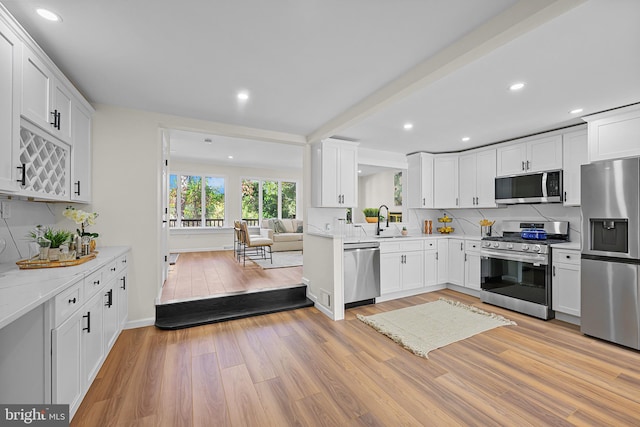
<point x="541" y="187"/>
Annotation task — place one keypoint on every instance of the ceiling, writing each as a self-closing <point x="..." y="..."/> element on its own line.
<point x="358" y="69"/>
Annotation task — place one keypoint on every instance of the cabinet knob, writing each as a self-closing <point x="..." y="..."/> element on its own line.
<point x="72" y="300"/>
<point x="96" y="282"/>
<point x="113" y="269"/>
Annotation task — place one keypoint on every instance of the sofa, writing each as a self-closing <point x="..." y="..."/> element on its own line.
<point x="285" y="233"/>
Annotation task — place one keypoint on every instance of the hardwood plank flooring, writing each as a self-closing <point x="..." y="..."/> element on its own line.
<point x="301" y="368"/>
<point x="206" y="274"/>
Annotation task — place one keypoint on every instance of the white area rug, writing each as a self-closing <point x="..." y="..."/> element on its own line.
<point x="280" y="260"/>
<point x="429" y="326"/>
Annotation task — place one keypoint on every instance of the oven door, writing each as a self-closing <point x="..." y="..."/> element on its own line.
<point x="525" y="277"/>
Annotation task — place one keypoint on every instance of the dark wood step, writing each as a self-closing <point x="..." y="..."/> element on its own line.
<point x="221" y="308"/>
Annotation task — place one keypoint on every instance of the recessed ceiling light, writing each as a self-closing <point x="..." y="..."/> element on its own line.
<point x="229" y="157"/>
<point x="243" y="96"/>
<point x="48" y="15"/>
<point x="408" y="126"/>
<point x="359" y="170"/>
<point x="576" y="111"/>
<point x="516" y="86"/>
<point x="465" y="138"/>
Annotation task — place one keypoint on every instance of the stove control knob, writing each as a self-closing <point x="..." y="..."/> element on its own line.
<point x="496" y="244"/>
<point x="509" y="245"/>
<point x="486" y="244"/>
<point x="536" y="248"/>
<point x="525" y="247"/>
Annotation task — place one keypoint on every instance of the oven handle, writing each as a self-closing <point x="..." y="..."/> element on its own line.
<point x="513" y="256"/>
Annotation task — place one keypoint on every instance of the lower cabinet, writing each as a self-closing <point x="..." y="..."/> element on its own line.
<point x="456" y="261"/>
<point x="84" y="332"/>
<point x="430" y="263"/>
<point x="472" y="265"/>
<point x="442" y="256"/>
<point x="565" y="282"/>
<point x="401" y="266"/>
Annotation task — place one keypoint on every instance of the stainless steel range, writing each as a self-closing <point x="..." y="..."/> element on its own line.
<point x="516" y="267"/>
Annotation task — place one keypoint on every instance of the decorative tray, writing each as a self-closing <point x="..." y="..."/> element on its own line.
<point x="29" y="264"/>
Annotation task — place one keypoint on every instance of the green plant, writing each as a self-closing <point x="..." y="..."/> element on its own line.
<point x="370" y="212"/>
<point x="57" y="237"/>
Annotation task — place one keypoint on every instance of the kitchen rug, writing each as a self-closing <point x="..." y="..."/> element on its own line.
<point x="429" y="326"/>
<point x="280" y="260"/>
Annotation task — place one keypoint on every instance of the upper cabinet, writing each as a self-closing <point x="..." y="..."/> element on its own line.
<point x="420" y="180"/>
<point x="334" y="169"/>
<point x="10" y="51"/>
<point x="445" y="190"/>
<point x="535" y="155"/>
<point x="575" y="154"/>
<point x="45" y="123"/>
<point x="477" y="179"/>
<point x="614" y="134"/>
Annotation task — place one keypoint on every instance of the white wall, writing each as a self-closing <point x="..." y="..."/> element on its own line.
<point x="194" y="240"/>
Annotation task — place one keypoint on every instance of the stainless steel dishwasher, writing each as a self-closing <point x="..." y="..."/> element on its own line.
<point x="361" y="273"/>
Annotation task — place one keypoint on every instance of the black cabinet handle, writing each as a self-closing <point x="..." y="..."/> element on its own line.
<point x="72" y="301"/>
<point x="77" y="192"/>
<point x="109" y="296"/>
<point x="96" y="282"/>
<point x="56" y="119"/>
<point x="113" y="269"/>
<point x="88" y="317"/>
<point x="124" y="283"/>
<point x="23" y="180"/>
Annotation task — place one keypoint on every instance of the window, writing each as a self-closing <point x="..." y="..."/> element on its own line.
<point x="263" y="199"/>
<point x="196" y="201"/>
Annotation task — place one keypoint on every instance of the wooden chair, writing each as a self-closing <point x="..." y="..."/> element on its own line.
<point x="238" y="243"/>
<point x="258" y="244"/>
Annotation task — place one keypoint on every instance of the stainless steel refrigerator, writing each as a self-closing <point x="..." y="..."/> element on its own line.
<point x="610" y="279"/>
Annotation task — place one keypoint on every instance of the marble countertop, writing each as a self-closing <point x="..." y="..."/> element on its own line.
<point x="23" y="290"/>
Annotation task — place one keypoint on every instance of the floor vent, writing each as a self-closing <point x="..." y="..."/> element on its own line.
<point x="186" y="314"/>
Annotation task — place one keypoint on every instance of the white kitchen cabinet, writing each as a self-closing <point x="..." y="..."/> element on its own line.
<point x="121" y="285"/>
<point x="614" y="134"/>
<point x="472" y="264"/>
<point x="445" y="172"/>
<point x="10" y="51"/>
<point x="81" y="154"/>
<point x="534" y="155"/>
<point x="93" y="350"/>
<point x="565" y="281"/>
<point x="430" y="263"/>
<point x="442" y="256"/>
<point x="66" y="342"/>
<point x="110" y="314"/>
<point x="401" y="266"/>
<point x="456" y="264"/>
<point x="334" y="169"/>
<point x="420" y="180"/>
<point x="477" y="173"/>
<point x="575" y="153"/>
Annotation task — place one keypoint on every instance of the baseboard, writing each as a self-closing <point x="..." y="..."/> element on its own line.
<point x="324" y="310"/>
<point x="212" y="249"/>
<point x="568" y="318"/>
<point x="410" y="293"/>
<point x="463" y="290"/>
<point x="140" y="323"/>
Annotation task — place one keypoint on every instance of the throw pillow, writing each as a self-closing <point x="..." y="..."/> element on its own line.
<point x="299" y="230"/>
<point x="278" y="226"/>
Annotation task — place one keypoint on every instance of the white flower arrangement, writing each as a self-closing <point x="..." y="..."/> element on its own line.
<point x="81" y="218"/>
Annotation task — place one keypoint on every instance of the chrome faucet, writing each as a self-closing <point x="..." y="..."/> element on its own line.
<point x="378" y="229"/>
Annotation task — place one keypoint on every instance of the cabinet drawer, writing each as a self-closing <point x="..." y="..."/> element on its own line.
<point x="396" y="246"/>
<point x="472" y="245"/>
<point x="122" y="261"/>
<point x="109" y="270"/>
<point x="93" y="283"/>
<point x="430" y="245"/>
<point x="564" y="256"/>
<point x="68" y="301"/>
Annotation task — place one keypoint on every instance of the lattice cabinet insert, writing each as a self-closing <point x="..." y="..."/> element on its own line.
<point x="45" y="164"/>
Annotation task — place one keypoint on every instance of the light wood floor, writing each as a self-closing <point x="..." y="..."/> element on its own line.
<point x="300" y="368"/>
<point x="203" y="274"/>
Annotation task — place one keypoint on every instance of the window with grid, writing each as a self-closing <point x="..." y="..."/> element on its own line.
<point x="268" y="198"/>
<point x="196" y="201"/>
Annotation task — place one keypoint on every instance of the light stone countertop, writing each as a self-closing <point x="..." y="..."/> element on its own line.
<point x="23" y="290"/>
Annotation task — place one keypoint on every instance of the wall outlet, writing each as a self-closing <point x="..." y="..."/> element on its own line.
<point x="5" y="210"/>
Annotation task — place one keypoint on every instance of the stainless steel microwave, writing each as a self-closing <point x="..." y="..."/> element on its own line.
<point x="542" y="187"/>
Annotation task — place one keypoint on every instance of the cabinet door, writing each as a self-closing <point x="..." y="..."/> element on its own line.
<point x="544" y="154"/>
<point x="575" y="153"/>
<point x="330" y="171"/>
<point x="92" y="338"/>
<point x="37" y="83"/>
<point x="486" y="179"/>
<point x="566" y="289"/>
<point x="456" y="262"/>
<point x="511" y="159"/>
<point x="467" y="180"/>
<point x="412" y="270"/>
<point x="10" y="51"/>
<point x="420" y="180"/>
<point x="62" y="106"/>
<point x="66" y="342"/>
<point x="445" y="172"/>
<point x="430" y="268"/>
<point x="81" y="155"/>
<point x="123" y="299"/>
<point x="348" y="183"/>
<point x="110" y="314"/>
<point x="443" y="261"/>
<point x="472" y="271"/>
<point x="390" y="265"/>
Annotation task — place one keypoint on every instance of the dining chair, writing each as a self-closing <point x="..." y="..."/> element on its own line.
<point x="257" y="243"/>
